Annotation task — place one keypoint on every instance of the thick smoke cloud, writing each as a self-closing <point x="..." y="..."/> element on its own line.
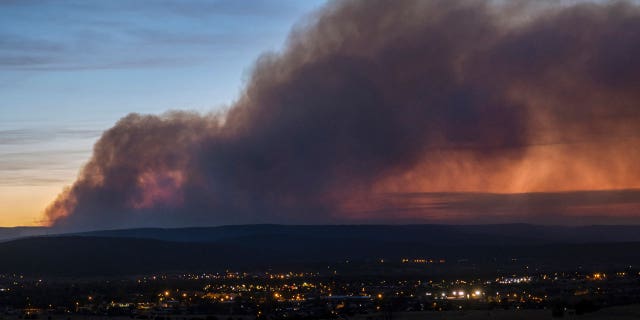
<point x="373" y="98"/>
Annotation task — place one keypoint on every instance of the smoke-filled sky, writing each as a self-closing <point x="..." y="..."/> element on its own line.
<point x="378" y="112"/>
<point x="70" y="69"/>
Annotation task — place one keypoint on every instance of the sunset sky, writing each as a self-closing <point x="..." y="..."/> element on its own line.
<point x="176" y="113"/>
<point x="71" y="69"/>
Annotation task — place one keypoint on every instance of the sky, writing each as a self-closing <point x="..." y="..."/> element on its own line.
<point x="70" y="69"/>
<point x="120" y="114"/>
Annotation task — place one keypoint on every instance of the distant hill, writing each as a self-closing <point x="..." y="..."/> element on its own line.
<point x="466" y="249"/>
<point x="433" y="234"/>
<point x="21" y="232"/>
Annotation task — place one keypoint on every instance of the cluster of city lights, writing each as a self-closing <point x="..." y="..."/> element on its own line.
<point x="514" y="280"/>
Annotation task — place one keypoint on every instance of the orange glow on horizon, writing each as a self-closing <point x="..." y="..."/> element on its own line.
<point x="22" y="205"/>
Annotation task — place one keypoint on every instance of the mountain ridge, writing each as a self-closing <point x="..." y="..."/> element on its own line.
<point x="436" y="233"/>
<point x="82" y="256"/>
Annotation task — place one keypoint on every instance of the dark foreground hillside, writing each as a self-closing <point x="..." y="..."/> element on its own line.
<point x="89" y="256"/>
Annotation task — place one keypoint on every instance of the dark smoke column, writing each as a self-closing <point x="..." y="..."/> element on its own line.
<point x="380" y="97"/>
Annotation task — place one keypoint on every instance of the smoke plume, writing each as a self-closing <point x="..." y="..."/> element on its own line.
<point x="377" y="98"/>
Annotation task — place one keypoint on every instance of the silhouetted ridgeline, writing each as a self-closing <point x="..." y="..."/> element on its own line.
<point x="466" y="249"/>
<point x="435" y="234"/>
<point x="432" y="234"/>
<point x="20" y="232"/>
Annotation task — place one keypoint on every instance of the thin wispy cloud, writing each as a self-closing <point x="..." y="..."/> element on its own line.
<point x="34" y="156"/>
<point x="31" y="135"/>
<point x="71" y="35"/>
